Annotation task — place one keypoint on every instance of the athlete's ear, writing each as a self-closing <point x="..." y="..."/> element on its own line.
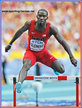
<point x="47" y="18"/>
<point x="37" y="16"/>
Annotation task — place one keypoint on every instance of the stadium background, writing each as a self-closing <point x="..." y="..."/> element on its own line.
<point x="64" y="15"/>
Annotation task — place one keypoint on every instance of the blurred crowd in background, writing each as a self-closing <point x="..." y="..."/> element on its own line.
<point x="64" y="15"/>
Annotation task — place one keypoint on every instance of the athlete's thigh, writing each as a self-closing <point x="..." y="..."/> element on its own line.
<point x="30" y="55"/>
<point x="46" y="58"/>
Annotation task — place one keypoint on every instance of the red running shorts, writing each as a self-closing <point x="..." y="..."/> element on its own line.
<point x="42" y="56"/>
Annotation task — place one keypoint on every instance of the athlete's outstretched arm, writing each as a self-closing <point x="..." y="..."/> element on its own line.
<point x="60" y="38"/>
<point x="18" y="34"/>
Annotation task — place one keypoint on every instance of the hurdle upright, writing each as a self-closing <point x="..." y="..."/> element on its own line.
<point x="75" y="78"/>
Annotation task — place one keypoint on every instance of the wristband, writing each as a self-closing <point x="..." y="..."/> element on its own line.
<point x="10" y="44"/>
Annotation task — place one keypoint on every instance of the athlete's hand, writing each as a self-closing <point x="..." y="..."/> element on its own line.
<point x="73" y="61"/>
<point x="7" y="48"/>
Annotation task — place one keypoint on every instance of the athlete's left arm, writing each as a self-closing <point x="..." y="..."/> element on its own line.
<point x="54" y="31"/>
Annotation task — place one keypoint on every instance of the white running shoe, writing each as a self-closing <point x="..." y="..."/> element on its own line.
<point x="18" y="87"/>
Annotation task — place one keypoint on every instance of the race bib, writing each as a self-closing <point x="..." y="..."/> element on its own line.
<point x="36" y="45"/>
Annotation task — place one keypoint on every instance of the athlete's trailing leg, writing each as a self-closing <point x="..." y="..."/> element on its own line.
<point x="58" y="67"/>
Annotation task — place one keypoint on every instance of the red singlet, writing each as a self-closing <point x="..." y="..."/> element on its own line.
<point x="36" y="49"/>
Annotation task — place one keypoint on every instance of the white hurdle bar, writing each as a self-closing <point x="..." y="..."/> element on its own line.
<point x="51" y="77"/>
<point x="75" y="78"/>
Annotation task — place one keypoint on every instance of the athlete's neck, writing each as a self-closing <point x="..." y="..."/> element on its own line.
<point x="40" y="27"/>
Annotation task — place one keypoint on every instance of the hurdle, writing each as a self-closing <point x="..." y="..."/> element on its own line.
<point x="36" y="78"/>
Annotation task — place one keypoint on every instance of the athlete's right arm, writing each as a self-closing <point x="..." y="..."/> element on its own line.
<point x="18" y="34"/>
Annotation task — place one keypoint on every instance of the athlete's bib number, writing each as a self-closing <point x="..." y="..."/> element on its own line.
<point x="36" y="45"/>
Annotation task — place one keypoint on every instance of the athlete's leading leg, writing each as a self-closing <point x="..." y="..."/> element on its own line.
<point x="57" y="66"/>
<point x="29" y="60"/>
<point x="23" y="74"/>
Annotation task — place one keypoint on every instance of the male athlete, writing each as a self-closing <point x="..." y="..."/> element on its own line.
<point x="39" y="31"/>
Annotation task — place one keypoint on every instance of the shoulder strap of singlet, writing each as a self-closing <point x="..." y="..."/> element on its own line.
<point x="47" y="27"/>
<point x="32" y="24"/>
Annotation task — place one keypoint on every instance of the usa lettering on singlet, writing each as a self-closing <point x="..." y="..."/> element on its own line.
<point x="36" y="45"/>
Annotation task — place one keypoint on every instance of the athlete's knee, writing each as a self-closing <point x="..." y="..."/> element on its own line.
<point x="62" y="69"/>
<point x="27" y="64"/>
<point x="57" y="66"/>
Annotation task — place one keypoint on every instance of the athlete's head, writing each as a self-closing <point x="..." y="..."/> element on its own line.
<point x="42" y="16"/>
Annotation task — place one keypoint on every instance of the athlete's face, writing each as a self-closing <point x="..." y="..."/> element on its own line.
<point x="42" y="17"/>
